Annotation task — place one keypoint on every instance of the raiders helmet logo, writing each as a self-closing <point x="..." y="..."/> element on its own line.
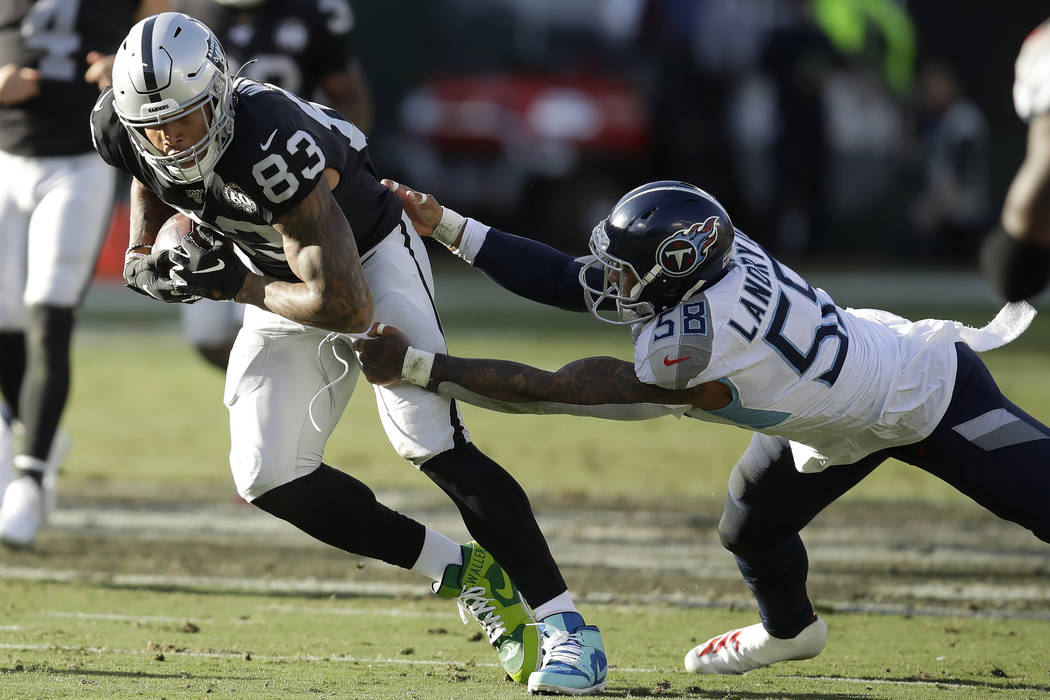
<point x="680" y="254"/>
<point x="215" y="54"/>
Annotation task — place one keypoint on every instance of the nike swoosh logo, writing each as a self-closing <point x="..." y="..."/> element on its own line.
<point x="668" y="361"/>
<point x="266" y="144"/>
<point x="214" y="268"/>
<point x="506" y="592"/>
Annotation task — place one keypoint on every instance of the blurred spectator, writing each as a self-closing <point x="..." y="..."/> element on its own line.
<point x="696" y="52"/>
<point x="952" y="209"/>
<point x="879" y="32"/>
<point x="799" y="58"/>
<point x="537" y="122"/>
<point x="714" y="115"/>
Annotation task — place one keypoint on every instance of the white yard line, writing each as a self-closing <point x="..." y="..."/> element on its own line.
<point x="116" y="617"/>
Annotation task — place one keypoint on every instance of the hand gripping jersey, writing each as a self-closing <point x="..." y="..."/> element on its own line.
<point x="292" y="43"/>
<point x="838" y="383"/>
<point x="1032" y="74"/>
<point x="281" y="146"/>
<point x="55" y="36"/>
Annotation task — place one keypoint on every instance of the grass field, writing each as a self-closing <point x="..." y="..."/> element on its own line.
<point x="151" y="581"/>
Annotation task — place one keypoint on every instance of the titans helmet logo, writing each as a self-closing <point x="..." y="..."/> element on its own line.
<point x="680" y="254"/>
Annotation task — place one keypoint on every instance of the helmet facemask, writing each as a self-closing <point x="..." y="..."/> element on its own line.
<point x="192" y="164"/>
<point x="630" y="308"/>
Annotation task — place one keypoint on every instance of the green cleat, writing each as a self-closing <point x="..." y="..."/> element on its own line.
<point x="487" y="594"/>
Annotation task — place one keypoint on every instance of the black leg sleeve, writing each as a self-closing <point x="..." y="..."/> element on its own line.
<point x="341" y="511"/>
<point x="12" y="367"/>
<point x="768" y="503"/>
<point x="46" y="385"/>
<point x="497" y="514"/>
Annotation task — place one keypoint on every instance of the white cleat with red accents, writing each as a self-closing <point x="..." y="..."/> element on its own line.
<point x="748" y="648"/>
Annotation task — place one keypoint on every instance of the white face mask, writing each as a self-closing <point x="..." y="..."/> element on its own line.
<point x="629" y="310"/>
<point x="194" y="163"/>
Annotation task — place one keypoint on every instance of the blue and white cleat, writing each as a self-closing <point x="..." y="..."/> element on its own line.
<point x="574" y="660"/>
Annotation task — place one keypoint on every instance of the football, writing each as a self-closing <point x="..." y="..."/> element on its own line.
<point x="177" y="227"/>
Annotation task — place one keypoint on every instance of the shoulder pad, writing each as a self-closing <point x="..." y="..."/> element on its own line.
<point x="1032" y="74"/>
<point x="106" y="130"/>
<point x="675" y="347"/>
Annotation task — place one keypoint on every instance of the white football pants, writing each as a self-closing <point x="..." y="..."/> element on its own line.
<point x="288" y="384"/>
<point x="53" y="217"/>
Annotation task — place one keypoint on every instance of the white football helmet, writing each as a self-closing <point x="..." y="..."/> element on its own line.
<point x="168" y="66"/>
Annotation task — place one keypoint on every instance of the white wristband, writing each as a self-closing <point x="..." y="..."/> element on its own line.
<point x="417" y="366"/>
<point x="470" y="242"/>
<point x="447" y="230"/>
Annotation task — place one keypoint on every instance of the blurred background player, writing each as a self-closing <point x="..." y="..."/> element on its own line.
<point x="951" y="211"/>
<point x="55" y="200"/>
<point x="304" y="46"/>
<point x="1016" y="255"/>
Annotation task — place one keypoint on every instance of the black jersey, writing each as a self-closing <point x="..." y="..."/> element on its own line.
<point x="55" y="36"/>
<point x="280" y="148"/>
<point x="294" y="43"/>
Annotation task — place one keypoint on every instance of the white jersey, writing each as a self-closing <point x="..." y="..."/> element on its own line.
<point x="1032" y="74"/>
<point x="838" y="383"/>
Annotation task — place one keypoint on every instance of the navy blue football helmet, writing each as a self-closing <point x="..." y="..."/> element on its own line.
<point x="670" y="236"/>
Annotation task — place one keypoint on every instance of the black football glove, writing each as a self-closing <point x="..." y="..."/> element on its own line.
<point x="148" y="275"/>
<point x="208" y="272"/>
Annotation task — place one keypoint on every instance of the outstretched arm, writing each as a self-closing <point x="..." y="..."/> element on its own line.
<point x="520" y="265"/>
<point x="603" y="387"/>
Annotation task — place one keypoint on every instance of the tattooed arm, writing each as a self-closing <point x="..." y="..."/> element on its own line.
<point x="603" y="387"/>
<point x="148" y="214"/>
<point x="321" y="251"/>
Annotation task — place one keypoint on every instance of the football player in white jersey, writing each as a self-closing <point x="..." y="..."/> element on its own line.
<point x="724" y="332"/>
<point x="303" y="232"/>
<point x="1015" y="256"/>
<point x="55" y="201"/>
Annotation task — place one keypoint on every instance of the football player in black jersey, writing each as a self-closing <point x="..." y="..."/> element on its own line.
<point x="1016" y="255"/>
<point x="55" y="201"/>
<point x="304" y="46"/>
<point x="307" y="236"/>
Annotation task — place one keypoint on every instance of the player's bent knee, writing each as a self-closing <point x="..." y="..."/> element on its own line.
<point x="254" y="474"/>
<point x="731" y="535"/>
<point x="742" y="534"/>
<point x="420" y="425"/>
